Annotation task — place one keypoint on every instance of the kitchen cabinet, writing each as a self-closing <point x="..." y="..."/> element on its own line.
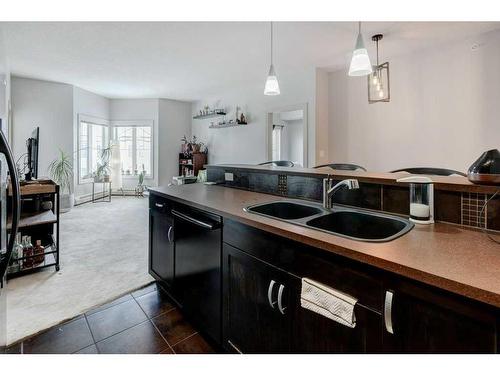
<point x="161" y="241"/>
<point x="263" y="314"/>
<point x="424" y="319"/>
<point x="419" y="320"/>
<point x="314" y="333"/>
<point x="253" y="321"/>
<point x="241" y="286"/>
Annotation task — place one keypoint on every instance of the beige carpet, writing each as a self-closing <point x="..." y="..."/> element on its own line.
<point x="104" y="252"/>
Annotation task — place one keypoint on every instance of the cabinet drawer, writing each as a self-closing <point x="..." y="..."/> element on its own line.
<point x="159" y="204"/>
<point x="356" y="279"/>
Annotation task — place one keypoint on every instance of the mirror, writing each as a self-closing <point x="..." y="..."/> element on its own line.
<point x="287" y="135"/>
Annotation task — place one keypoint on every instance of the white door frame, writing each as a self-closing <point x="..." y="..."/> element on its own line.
<point x="305" y="127"/>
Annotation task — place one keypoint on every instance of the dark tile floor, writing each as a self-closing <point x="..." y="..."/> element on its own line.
<point x="143" y="322"/>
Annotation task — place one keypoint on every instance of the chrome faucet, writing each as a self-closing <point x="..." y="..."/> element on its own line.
<point x="329" y="190"/>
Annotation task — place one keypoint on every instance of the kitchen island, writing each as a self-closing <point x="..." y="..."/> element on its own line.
<point x="437" y="288"/>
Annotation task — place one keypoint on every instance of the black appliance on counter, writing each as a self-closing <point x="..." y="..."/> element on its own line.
<point x="6" y="164"/>
<point x="198" y="277"/>
<point x="486" y="169"/>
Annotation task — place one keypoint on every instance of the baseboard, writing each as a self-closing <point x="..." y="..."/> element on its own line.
<point x="86" y="198"/>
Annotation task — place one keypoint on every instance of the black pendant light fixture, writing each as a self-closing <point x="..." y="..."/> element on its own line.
<point x="378" y="80"/>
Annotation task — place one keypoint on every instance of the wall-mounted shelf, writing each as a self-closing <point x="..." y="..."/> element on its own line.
<point x="210" y="115"/>
<point x="226" y="125"/>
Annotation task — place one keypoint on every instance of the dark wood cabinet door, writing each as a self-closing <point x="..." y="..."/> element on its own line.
<point x="314" y="333"/>
<point x="432" y="324"/>
<point x="251" y="324"/>
<point x="161" y="247"/>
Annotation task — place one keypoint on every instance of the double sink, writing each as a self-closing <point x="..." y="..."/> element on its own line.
<point x="360" y="225"/>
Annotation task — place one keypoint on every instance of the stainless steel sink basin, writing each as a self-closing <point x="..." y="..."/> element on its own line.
<point x="356" y="224"/>
<point x="285" y="210"/>
<point x="362" y="226"/>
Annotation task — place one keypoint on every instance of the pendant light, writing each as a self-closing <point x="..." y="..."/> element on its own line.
<point x="360" y="61"/>
<point x="272" y="87"/>
<point x="378" y="80"/>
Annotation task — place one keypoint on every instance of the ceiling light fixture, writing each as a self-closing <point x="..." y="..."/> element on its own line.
<point x="272" y="87"/>
<point x="360" y="61"/>
<point x="378" y="80"/>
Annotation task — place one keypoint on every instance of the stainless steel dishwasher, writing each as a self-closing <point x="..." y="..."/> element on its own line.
<point x="198" y="279"/>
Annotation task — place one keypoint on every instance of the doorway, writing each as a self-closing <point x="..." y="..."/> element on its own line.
<point x="287" y="134"/>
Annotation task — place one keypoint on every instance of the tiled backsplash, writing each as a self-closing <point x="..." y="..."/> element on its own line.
<point x="455" y="207"/>
<point x="472" y="210"/>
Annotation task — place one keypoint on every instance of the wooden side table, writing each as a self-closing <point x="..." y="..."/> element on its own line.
<point x="101" y="199"/>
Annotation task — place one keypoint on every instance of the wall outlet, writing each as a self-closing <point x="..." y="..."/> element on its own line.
<point x="228" y="176"/>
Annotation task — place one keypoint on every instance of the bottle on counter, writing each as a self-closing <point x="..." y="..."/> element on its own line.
<point x="27" y="252"/>
<point x="17" y="252"/>
<point x="39" y="252"/>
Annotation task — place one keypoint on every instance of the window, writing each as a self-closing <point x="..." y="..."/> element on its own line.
<point x="136" y="151"/>
<point x="93" y="137"/>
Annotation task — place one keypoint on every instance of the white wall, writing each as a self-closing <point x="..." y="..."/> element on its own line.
<point x="444" y="110"/>
<point x="5" y="84"/>
<point x="322" y="116"/>
<point x="174" y="123"/>
<point x="248" y="144"/>
<point x="90" y="104"/>
<point x="293" y="137"/>
<point x="3" y="100"/>
<point x="45" y="104"/>
<point x="138" y="109"/>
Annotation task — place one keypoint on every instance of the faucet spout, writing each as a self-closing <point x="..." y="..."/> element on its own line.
<point x="329" y="190"/>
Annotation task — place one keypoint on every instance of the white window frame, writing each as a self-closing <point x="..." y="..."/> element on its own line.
<point x="88" y="120"/>
<point x="136" y="123"/>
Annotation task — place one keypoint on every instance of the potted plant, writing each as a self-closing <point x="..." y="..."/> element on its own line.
<point x="61" y="171"/>
<point x="195" y="145"/>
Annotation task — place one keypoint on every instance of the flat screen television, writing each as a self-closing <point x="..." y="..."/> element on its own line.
<point x="33" y="144"/>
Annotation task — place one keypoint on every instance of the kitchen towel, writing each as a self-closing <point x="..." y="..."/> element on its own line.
<point x="328" y="302"/>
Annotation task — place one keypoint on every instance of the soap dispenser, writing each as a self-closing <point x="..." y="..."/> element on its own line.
<point x="421" y="199"/>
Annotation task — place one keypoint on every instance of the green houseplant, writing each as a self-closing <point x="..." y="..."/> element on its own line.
<point x="61" y="171"/>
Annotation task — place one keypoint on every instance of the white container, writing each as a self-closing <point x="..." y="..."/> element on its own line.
<point x="421" y="199"/>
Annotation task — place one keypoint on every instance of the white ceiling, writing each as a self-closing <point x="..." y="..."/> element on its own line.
<point x="189" y="61"/>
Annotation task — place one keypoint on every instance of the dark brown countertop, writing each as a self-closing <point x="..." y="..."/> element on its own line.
<point x="449" y="257"/>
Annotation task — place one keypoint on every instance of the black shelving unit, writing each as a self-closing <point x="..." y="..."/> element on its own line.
<point x="40" y="225"/>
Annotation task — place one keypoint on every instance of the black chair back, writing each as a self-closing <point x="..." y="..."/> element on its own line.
<point x="431" y="171"/>
<point x="279" y="163"/>
<point x="343" y="166"/>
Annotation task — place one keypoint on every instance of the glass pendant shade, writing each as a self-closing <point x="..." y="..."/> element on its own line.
<point x="360" y="61"/>
<point x="379" y="84"/>
<point x="272" y="86"/>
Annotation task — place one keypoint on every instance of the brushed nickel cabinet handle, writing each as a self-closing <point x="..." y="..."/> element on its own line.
<point x="170" y="233"/>
<point x="194" y="221"/>
<point x="234" y="347"/>
<point x="388" y="311"/>
<point x="280" y="299"/>
<point x="270" y="294"/>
